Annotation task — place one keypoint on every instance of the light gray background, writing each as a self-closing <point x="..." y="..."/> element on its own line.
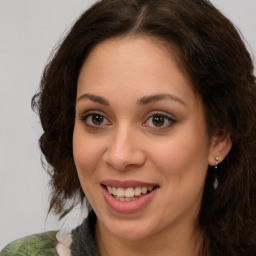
<point x="29" y="30"/>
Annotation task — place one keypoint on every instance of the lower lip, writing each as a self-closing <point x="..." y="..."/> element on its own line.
<point x="128" y="207"/>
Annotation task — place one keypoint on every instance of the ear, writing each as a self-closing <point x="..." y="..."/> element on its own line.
<point x="220" y="147"/>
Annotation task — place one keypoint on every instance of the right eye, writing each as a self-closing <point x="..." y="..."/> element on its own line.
<point x="95" y="120"/>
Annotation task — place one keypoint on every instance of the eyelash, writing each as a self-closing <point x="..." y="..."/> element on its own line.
<point x="85" y="117"/>
<point x="165" y="117"/>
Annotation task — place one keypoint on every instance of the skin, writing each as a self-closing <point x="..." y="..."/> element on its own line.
<point x="127" y="145"/>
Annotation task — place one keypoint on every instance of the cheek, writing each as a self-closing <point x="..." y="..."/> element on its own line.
<point x="86" y="155"/>
<point x="85" y="159"/>
<point x="183" y="160"/>
<point x="183" y="163"/>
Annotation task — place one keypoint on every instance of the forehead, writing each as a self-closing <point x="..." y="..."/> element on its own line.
<point x="138" y="64"/>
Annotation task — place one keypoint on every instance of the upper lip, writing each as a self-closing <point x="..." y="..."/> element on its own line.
<point x="127" y="183"/>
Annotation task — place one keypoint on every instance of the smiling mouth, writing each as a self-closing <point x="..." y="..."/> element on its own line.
<point x="128" y="194"/>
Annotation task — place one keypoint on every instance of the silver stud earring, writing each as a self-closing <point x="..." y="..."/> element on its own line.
<point x="216" y="183"/>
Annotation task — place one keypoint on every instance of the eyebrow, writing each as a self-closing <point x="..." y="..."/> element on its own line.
<point x="143" y="101"/>
<point x="158" y="97"/>
<point x="94" y="98"/>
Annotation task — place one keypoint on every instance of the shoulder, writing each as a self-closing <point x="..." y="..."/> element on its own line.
<point x="38" y="244"/>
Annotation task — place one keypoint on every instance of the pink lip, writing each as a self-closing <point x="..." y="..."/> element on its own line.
<point x="127" y="183"/>
<point x="128" y="207"/>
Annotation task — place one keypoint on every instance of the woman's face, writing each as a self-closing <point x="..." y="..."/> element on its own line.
<point x="140" y="131"/>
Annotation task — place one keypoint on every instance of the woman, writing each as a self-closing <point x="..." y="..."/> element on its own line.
<point x="148" y="110"/>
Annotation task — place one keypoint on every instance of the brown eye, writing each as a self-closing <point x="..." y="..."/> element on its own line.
<point x="158" y="121"/>
<point x="97" y="119"/>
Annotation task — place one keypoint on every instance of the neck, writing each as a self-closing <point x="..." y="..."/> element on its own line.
<point x="171" y="242"/>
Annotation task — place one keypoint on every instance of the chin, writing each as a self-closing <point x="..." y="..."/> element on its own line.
<point x="135" y="229"/>
<point x="131" y="234"/>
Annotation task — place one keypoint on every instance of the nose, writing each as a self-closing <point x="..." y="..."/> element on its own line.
<point x="124" y="150"/>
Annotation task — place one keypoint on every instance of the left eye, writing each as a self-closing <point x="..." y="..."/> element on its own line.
<point x="159" y="121"/>
<point x="95" y="120"/>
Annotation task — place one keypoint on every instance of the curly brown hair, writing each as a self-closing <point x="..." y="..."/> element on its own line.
<point x="214" y="57"/>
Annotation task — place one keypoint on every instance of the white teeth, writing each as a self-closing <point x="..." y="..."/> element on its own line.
<point x="114" y="191"/>
<point x="127" y="199"/>
<point x="128" y="192"/>
<point x="137" y="191"/>
<point x="109" y="189"/>
<point x="120" y="192"/>
<point x="144" y="190"/>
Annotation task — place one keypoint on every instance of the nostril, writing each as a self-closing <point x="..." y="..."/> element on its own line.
<point x="123" y="155"/>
